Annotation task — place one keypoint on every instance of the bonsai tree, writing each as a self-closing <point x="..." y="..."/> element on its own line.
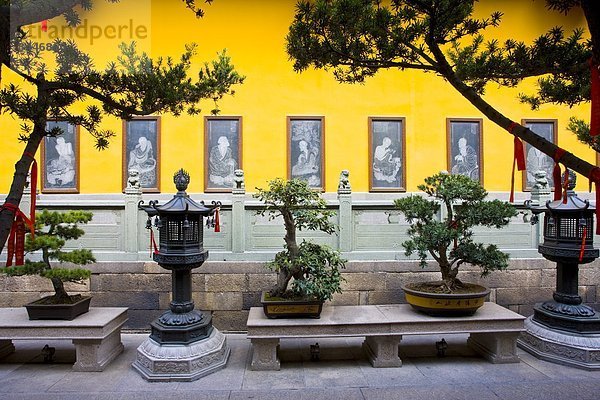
<point x="450" y="241"/>
<point x="312" y="269"/>
<point x="52" y="230"/>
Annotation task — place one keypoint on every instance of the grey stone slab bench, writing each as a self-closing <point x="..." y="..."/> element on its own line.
<point x="95" y="334"/>
<point x="493" y="331"/>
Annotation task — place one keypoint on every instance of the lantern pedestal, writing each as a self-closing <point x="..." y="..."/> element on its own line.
<point x="158" y="362"/>
<point x="561" y="347"/>
<point x="183" y="345"/>
<point x="563" y="330"/>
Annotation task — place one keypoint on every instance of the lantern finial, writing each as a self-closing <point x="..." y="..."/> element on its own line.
<point x="182" y="180"/>
<point x="572" y="179"/>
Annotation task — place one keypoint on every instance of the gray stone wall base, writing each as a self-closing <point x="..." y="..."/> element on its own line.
<point x="95" y="355"/>
<point x="561" y="347"/>
<point x="181" y="363"/>
<point x="497" y="347"/>
<point x="382" y="351"/>
<point x="264" y="354"/>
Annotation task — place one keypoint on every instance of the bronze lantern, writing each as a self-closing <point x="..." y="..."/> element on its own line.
<point x="180" y="224"/>
<point x="568" y="241"/>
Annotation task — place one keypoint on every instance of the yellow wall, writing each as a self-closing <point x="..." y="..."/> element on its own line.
<point x="253" y="32"/>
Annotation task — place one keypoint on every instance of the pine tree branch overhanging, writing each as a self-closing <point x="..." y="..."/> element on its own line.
<point x="369" y="36"/>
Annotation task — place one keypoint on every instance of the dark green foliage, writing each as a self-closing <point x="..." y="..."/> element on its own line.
<point x="52" y="230"/>
<point x="358" y="37"/>
<point x="314" y="268"/>
<point x="59" y="77"/>
<point x="320" y="270"/>
<point x="307" y="208"/>
<point x="581" y="129"/>
<point x="450" y="241"/>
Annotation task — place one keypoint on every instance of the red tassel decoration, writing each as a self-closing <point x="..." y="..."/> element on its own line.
<point x="557" y="182"/>
<point x="217" y="221"/>
<point x="34" y="179"/>
<point x="16" y="239"/>
<point x="153" y="247"/>
<point x="595" y="97"/>
<point x="582" y="250"/>
<point x="518" y="161"/>
<point x="556" y="174"/>
<point x="10" y="246"/>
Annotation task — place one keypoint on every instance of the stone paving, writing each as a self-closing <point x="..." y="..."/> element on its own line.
<point x="343" y="372"/>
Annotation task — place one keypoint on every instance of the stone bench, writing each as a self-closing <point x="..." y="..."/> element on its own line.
<point x="493" y="331"/>
<point x="95" y="334"/>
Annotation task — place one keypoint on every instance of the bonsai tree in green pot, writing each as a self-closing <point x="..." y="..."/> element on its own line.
<point x="52" y="230"/>
<point x="305" y="271"/>
<point x="449" y="241"/>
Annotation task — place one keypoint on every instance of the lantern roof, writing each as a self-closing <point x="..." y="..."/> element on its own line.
<point x="569" y="203"/>
<point x="181" y="203"/>
<point x="572" y="203"/>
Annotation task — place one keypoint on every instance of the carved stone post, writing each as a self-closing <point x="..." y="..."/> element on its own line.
<point x="345" y="212"/>
<point x="238" y="226"/>
<point x="133" y="195"/>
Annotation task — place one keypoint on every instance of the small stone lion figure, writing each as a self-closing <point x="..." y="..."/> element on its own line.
<point x="541" y="182"/>
<point x="344" y="184"/>
<point x="238" y="179"/>
<point x="133" y="180"/>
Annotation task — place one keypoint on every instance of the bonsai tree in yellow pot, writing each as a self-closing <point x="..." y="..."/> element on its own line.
<point x="449" y="240"/>
<point x="306" y="271"/>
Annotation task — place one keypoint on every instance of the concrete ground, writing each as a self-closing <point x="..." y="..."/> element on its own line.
<point x="341" y="373"/>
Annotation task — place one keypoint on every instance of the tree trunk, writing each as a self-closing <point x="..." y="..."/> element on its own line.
<point x="60" y="294"/>
<point x="22" y="168"/>
<point x="285" y="275"/>
<point x="16" y="189"/>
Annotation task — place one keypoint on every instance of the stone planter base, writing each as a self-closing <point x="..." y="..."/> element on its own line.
<point x="561" y="347"/>
<point x="181" y="363"/>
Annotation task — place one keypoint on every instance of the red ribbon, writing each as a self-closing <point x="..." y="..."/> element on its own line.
<point x="556" y="173"/>
<point x="595" y="97"/>
<point x="595" y="177"/>
<point x="153" y="247"/>
<point x="34" y="179"/>
<point x="217" y="221"/>
<point x="518" y="162"/>
<point x="582" y="250"/>
<point x="16" y="239"/>
<point x="565" y="186"/>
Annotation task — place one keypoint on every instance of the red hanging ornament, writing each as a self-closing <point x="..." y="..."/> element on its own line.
<point x="153" y="246"/>
<point x="518" y="162"/>
<point x="582" y="250"/>
<point x="217" y="221"/>
<point x="34" y="179"/>
<point x="16" y="239"/>
<point x="565" y="186"/>
<point x="556" y="174"/>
